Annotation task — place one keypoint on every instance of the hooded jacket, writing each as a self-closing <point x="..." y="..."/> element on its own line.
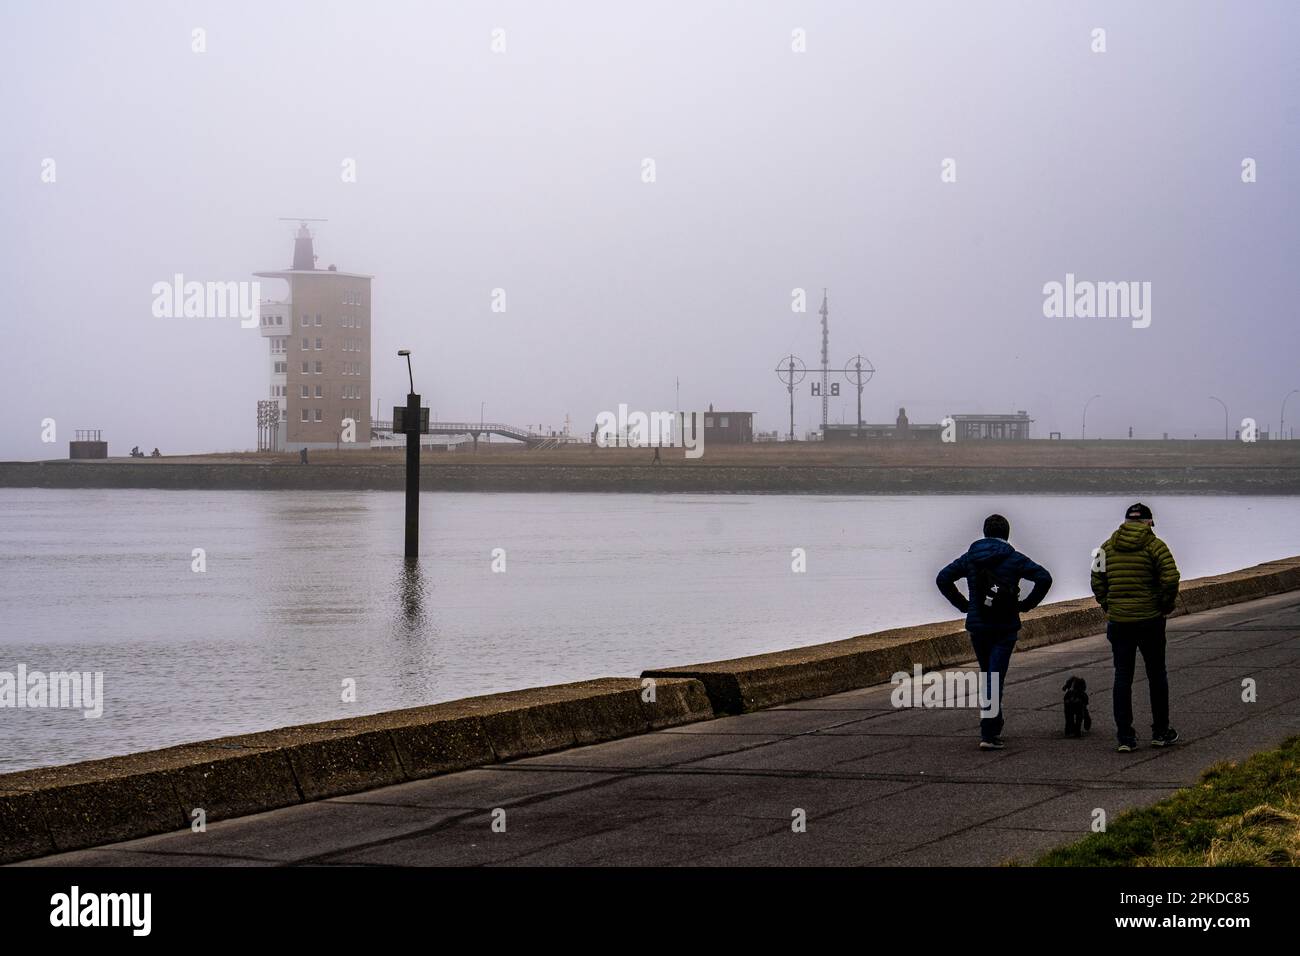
<point x="1138" y="580"/>
<point x="1008" y="565"/>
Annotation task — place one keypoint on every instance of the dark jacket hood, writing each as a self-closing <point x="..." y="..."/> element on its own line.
<point x="989" y="550"/>
<point x="1131" y="536"/>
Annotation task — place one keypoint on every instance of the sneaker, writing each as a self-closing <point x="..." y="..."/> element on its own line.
<point x="993" y="744"/>
<point x="1126" y="748"/>
<point x="1167" y="739"/>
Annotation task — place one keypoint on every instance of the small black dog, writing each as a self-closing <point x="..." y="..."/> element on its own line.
<point x="1076" y="707"/>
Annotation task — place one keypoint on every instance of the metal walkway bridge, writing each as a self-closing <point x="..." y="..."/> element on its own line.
<point x="384" y="430"/>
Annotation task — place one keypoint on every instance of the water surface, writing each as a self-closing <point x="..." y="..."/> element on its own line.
<point x="306" y="589"/>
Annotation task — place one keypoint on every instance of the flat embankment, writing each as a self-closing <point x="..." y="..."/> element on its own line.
<point x="1042" y="467"/>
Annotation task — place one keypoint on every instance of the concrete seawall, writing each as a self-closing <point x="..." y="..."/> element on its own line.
<point x="53" y="809"/>
<point x="695" y="477"/>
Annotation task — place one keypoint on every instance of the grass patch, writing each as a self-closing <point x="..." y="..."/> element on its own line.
<point x="1240" y="814"/>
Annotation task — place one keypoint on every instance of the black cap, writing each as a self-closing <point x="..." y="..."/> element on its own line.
<point x="1138" y="512"/>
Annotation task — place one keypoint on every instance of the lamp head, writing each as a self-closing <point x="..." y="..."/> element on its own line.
<point x="403" y="351"/>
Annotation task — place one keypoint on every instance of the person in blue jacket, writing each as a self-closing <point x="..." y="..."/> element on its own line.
<point x="993" y="571"/>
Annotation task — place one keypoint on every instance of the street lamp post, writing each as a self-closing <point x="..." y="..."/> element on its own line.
<point x="1281" y="427"/>
<point x="1084" y="432"/>
<point x="412" y="428"/>
<point x="1227" y="429"/>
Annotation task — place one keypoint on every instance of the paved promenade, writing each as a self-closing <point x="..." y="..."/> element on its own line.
<point x="878" y="786"/>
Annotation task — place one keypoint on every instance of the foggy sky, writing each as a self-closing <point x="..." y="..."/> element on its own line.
<point x="775" y="170"/>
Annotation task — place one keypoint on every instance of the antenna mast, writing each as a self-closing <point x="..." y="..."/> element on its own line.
<point x="826" y="342"/>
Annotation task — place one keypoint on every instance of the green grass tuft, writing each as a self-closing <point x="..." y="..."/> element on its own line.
<point x="1239" y="814"/>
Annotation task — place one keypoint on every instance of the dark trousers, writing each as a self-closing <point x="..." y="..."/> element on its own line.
<point x="993" y="651"/>
<point x="1126" y="641"/>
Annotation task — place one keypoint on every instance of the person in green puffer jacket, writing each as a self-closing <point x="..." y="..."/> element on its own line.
<point x="1135" y="580"/>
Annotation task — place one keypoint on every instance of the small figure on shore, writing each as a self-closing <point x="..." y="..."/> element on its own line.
<point x="657" y="460"/>
<point x="136" y="452"/>
<point x="155" y="453"/>
<point x="302" y="455"/>
<point x="1135" y="580"/>
<point x="993" y="571"/>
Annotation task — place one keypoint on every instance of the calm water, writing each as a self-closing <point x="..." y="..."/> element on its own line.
<point x="305" y="589"/>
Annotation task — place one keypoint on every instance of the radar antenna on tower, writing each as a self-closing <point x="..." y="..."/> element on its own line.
<point x="304" y="255"/>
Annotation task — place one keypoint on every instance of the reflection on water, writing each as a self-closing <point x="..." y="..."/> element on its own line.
<point x="305" y="590"/>
<point x="411" y="585"/>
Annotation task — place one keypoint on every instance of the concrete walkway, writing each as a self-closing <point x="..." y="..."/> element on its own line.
<point x="879" y="786"/>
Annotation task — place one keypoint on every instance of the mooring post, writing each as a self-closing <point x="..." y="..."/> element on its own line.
<point x="412" y="475"/>
<point x="411" y="426"/>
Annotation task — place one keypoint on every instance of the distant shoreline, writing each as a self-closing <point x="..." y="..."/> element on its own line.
<point x="678" y="478"/>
